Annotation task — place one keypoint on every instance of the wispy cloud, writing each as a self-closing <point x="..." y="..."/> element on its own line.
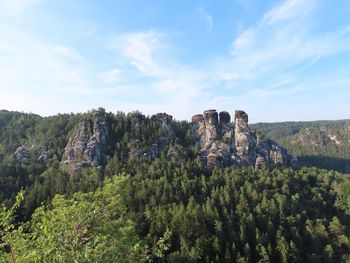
<point x="265" y="63"/>
<point x="141" y="49"/>
<point x="289" y="9"/>
<point x="65" y="51"/>
<point x="206" y="16"/>
<point x="111" y="76"/>
<point x="171" y="82"/>
<point x="282" y="43"/>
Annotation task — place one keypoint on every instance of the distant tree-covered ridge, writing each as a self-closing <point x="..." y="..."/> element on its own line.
<point x="324" y="144"/>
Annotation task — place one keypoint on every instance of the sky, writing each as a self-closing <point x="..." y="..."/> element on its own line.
<point x="277" y="60"/>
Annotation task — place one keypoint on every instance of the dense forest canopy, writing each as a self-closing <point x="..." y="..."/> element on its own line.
<point x="324" y="144"/>
<point x="142" y="208"/>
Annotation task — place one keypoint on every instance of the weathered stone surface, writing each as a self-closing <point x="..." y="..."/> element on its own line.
<point x="167" y="135"/>
<point x="220" y="143"/>
<point x="175" y="153"/>
<point x="21" y="154"/>
<point x="260" y="162"/>
<point x="88" y="146"/>
<point x="136" y="118"/>
<point x="163" y="118"/>
<point x="211" y="125"/>
<point x="197" y="118"/>
<point x="199" y="129"/>
<point x="225" y="127"/>
<point x="347" y="126"/>
<point x="225" y="117"/>
<point x="277" y="155"/>
<point x="43" y="155"/>
<point x="136" y="149"/>
<point x="225" y="144"/>
<point x="212" y="160"/>
<point x="245" y="140"/>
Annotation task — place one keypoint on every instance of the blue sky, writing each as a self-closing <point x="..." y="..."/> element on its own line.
<point x="277" y="60"/>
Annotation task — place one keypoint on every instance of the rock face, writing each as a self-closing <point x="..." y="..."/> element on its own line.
<point x="245" y="140"/>
<point x="165" y="137"/>
<point x="88" y="146"/>
<point x="43" y="155"/>
<point x="21" y="154"/>
<point x="347" y="126"/>
<point x="222" y="143"/>
<point x="136" y="119"/>
<point x="25" y="154"/>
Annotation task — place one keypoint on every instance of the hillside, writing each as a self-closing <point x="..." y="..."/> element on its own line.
<point x="324" y="144"/>
<point x="74" y="144"/>
<point x="104" y="187"/>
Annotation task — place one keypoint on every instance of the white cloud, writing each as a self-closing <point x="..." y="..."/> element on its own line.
<point x="111" y="76"/>
<point x="141" y="48"/>
<point x="264" y="63"/>
<point x="38" y="76"/>
<point x="65" y="52"/>
<point x="263" y="66"/>
<point x="207" y="17"/>
<point x="244" y="40"/>
<point x="289" y="9"/>
<point x="286" y="47"/>
<point x="170" y="82"/>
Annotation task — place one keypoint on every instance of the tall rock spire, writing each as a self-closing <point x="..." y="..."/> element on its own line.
<point x="224" y="144"/>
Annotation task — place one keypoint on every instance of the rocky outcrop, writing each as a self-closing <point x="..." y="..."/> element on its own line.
<point x="165" y="136"/>
<point x="163" y="118"/>
<point x="211" y="127"/>
<point x="219" y="142"/>
<point x="225" y="126"/>
<point x="88" y="145"/>
<point x="136" y="118"/>
<point x="347" y="126"/>
<point x="43" y="155"/>
<point x="175" y="153"/>
<point x="35" y="152"/>
<point x="222" y="143"/>
<point x="21" y="154"/>
<point x="245" y="140"/>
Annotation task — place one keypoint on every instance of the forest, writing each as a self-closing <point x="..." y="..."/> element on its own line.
<point x="160" y="209"/>
<point x="324" y="144"/>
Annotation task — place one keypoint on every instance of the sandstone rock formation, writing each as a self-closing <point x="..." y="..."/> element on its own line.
<point x="165" y="137"/>
<point x="21" y="154"/>
<point x="43" y="155"/>
<point x="136" y="118"/>
<point x="347" y="126"/>
<point x="167" y="134"/>
<point x="87" y="147"/>
<point x="222" y="143"/>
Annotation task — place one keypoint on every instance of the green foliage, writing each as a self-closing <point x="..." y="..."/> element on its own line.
<point x="168" y="211"/>
<point x="185" y="213"/>
<point x="241" y="215"/>
<point x="324" y="144"/>
<point x="90" y="227"/>
<point x="8" y="231"/>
